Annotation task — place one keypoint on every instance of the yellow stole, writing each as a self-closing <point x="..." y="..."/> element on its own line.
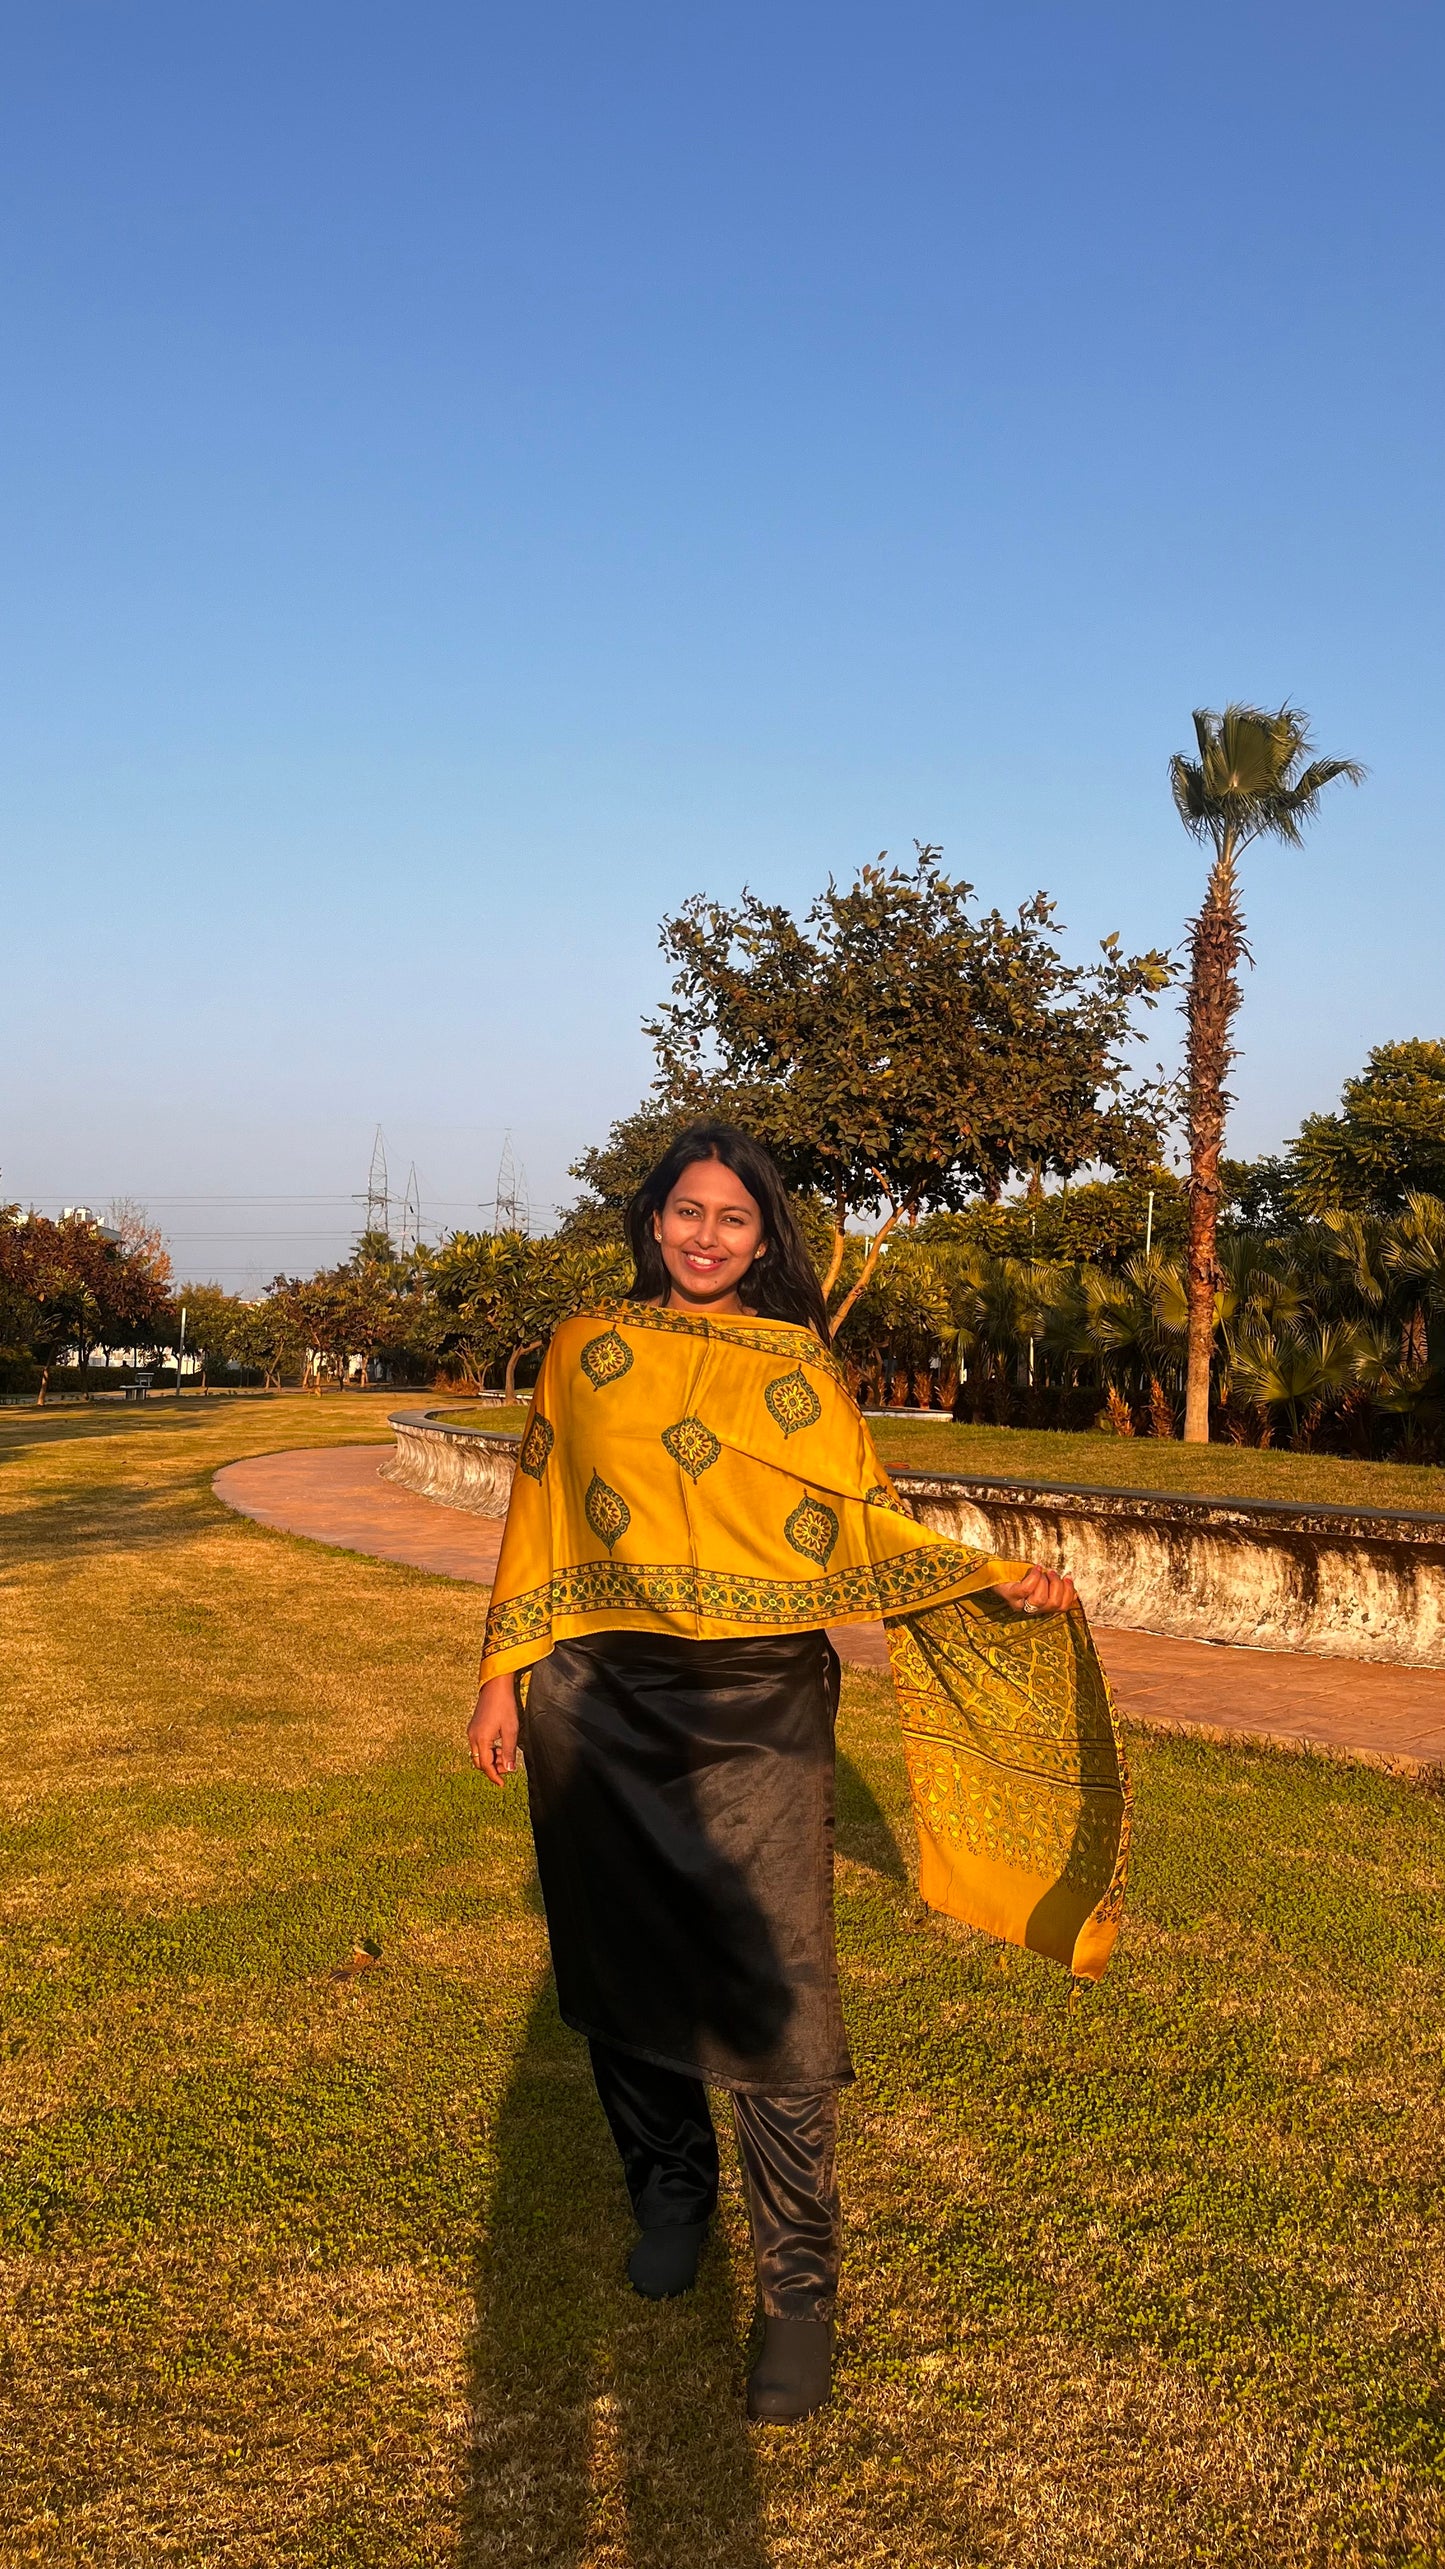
<point x="712" y="1478"/>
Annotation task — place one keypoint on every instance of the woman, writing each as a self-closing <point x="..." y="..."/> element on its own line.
<point x="697" y="1498"/>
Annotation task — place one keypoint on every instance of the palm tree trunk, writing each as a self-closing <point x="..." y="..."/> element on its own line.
<point x="1216" y="945"/>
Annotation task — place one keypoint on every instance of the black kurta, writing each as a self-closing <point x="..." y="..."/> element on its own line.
<point x="682" y="1805"/>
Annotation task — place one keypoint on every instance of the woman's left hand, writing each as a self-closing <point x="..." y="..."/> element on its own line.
<point x="1039" y="1592"/>
<point x="493" y="1730"/>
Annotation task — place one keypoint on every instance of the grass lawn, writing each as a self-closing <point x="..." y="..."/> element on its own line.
<point x="1144" y="1463"/>
<point x="311" y="2259"/>
<point x="1122" y="1463"/>
<point x="485" y="1414"/>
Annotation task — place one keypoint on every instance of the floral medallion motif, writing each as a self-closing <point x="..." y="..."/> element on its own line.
<point x="792" y="1402"/>
<point x="880" y="1496"/>
<point x="537" y="1444"/>
<point x="606" y="1359"/>
<point x="608" y="1513"/>
<point x="693" y="1447"/>
<point x="812" y="1529"/>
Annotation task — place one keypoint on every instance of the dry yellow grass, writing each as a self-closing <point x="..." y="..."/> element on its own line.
<point x="314" y="2263"/>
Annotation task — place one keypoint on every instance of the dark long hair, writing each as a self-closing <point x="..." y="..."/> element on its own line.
<point x="782" y="1284"/>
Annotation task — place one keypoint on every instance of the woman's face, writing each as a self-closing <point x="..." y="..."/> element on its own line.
<point x="710" y="1231"/>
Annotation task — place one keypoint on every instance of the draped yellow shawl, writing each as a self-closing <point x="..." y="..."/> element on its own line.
<point x="711" y="1478"/>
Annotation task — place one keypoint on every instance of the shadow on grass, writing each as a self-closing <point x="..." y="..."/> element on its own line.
<point x="864" y="1831"/>
<point x="599" y="2418"/>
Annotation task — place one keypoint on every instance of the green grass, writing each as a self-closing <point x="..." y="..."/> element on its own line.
<point x="312" y="2262"/>
<point x="1119" y="1462"/>
<point x="1144" y="1463"/>
<point x="485" y="1414"/>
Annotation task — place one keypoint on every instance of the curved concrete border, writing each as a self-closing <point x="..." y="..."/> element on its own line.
<point x="463" y="1467"/>
<point x="1345" y="1583"/>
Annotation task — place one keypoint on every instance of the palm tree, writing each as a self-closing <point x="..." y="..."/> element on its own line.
<point x="1253" y="779"/>
<point x="1300" y="1367"/>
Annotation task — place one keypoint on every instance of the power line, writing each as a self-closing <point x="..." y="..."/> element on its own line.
<point x="448" y="1203"/>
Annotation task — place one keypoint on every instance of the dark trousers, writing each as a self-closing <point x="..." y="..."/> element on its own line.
<point x="664" y="2133"/>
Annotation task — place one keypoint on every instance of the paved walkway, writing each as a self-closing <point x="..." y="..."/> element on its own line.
<point x="1390" y="1716"/>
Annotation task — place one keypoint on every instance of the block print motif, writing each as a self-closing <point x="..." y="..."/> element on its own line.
<point x="693" y="1447"/>
<point x="812" y="1529"/>
<point x="607" y="1511"/>
<point x="537" y="1444"/>
<point x="606" y="1359"/>
<point x="792" y="1402"/>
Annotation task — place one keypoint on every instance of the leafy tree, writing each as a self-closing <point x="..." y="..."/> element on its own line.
<point x="19" y="1315"/>
<point x="263" y="1335"/>
<point x="79" y="1289"/>
<point x="1253" y="778"/>
<point x="209" y="1313"/>
<point x="900" y="1320"/>
<point x="374" y="1305"/>
<point x="309" y="1314"/>
<point x="612" y="1172"/>
<point x="141" y="1240"/>
<point x="220" y="1330"/>
<point x="899" y="1051"/>
<point x="54" y="1267"/>
<point x="372" y="1298"/>
<point x="1104" y="1223"/>
<point x="1257" y="1196"/>
<point x="499" y="1296"/>
<point x="1386" y="1143"/>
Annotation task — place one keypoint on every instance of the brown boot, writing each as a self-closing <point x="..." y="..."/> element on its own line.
<point x="794" y="2373"/>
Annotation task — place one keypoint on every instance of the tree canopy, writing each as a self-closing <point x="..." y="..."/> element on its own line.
<point x="70" y="1284"/>
<point x="901" y="1052"/>
<point x="1106" y="1222"/>
<point x="498" y="1296"/>
<point x="1387" y="1140"/>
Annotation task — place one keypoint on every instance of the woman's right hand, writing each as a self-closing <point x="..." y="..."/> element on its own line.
<point x="492" y="1730"/>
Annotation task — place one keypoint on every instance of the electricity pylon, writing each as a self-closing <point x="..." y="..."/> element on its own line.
<point x="511" y="1211"/>
<point x="378" y="1190"/>
<point x="411" y="1214"/>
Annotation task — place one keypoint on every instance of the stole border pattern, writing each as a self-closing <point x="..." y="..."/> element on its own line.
<point x="767" y="1338"/>
<point x="910" y="1579"/>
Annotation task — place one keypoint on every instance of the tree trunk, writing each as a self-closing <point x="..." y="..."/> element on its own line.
<point x="1216" y="945"/>
<point x="509" y="1388"/>
<point x="44" y="1379"/>
<point x="837" y="1318"/>
<point x="840" y="1244"/>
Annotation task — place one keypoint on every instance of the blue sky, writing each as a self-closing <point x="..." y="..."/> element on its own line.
<point x="473" y="476"/>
